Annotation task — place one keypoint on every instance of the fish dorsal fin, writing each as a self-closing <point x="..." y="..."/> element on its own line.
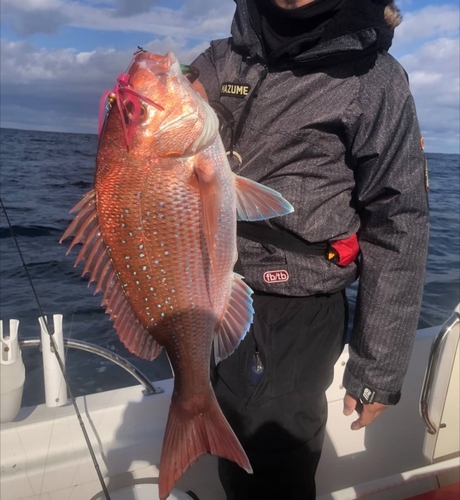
<point x="236" y="320"/>
<point x="211" y="201"/>
<point x="86" y="230"/>
<point x="257" y="202"/>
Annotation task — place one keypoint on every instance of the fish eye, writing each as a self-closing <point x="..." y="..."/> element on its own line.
<point x="128" y="108"/>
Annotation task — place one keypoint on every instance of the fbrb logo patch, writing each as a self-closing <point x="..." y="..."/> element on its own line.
<point x="279" y="276"/>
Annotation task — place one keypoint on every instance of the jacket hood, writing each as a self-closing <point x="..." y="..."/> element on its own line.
<point x="360" y="27"/>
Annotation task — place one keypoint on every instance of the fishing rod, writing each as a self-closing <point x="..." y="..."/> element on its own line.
<point x="58" y="357"/>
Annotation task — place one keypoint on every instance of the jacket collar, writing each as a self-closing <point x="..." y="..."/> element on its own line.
<point x="360" y="27"/>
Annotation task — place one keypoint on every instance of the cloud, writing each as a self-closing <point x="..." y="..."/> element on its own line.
<point x="434" y="79"/>
<point x="133" y="7"/>
<point x="29" y="17"/>
<point x="204" y="20"/>
<point x="23" y="64"/>
<point x="60" y="89"/>
<point x="36" y="82"/>
<point x="39" y="118"/>
<point x="427" y="45"/>
<point x="196" y="8"/>
<point x="431" y="22"/>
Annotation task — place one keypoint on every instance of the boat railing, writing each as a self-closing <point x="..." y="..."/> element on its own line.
<point x="435" y="357"/>
<point x="81" y="345"/>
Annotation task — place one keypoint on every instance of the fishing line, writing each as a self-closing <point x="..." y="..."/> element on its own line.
<point x="58" y="357"/>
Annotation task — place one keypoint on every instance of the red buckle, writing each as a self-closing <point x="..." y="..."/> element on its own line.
<point x="344" y="252"/>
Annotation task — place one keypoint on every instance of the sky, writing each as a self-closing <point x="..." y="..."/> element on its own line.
<point x="58" y="56"/>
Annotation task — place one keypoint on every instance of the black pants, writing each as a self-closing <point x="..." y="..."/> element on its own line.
<point x="272" y="391"/>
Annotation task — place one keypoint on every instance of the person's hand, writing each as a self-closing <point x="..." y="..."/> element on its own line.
<point x="367" y="413"/>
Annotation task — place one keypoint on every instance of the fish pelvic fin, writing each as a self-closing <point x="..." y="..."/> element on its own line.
<point x="85" y="230"/>
<point x="189" y="436"/>
<point x="255" y="201"/>
<point x="236" y="320"/>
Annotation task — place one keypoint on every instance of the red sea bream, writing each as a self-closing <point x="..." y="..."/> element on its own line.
<point x="159" y="238"/>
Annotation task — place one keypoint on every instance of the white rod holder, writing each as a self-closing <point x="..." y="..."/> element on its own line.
<point x="55" y="386"/>
<point x="12" y="373"/>
<point x="10" y="345"/>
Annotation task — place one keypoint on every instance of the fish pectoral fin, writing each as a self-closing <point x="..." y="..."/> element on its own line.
<point x="257" y="202"/>
<point x="86" y="230"/>
<point x="236" y="320"/>
<point x="211" y="200"/>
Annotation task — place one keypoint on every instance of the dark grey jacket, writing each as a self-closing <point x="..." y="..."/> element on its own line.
<point x="334" y="130"/>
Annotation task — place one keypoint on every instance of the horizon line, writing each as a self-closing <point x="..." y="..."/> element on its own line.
<point x="95" y="133"/>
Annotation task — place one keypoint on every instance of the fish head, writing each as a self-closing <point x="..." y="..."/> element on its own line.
<point x="162" y="110"/>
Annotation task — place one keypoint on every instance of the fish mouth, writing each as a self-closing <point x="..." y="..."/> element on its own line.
<point x="158" y="65"/>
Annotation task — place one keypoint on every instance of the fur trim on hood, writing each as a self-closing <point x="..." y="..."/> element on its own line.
<point x="392" y="15"/>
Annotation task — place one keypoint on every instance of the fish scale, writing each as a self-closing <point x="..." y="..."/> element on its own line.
<point x="158" y="234"/>
<point x="156" y="238"/>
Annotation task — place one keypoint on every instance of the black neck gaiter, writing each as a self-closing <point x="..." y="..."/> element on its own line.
<point x="287" y="32"/>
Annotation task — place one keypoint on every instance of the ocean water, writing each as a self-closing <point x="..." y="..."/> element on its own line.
<point x="44" y="174"/>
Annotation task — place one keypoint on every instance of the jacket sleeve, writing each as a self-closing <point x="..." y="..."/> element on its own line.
<point x="391" y="200"/>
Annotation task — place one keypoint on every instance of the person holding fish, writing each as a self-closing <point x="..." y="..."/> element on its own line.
<point x="312" y="105"/>
<point x="231" y="251"/>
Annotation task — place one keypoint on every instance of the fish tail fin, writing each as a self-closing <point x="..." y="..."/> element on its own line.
<point x="189" y="436"/>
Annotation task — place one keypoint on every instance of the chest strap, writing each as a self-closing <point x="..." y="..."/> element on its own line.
<point x="266" y="235"/>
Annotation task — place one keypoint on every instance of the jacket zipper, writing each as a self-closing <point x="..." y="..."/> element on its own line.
<point x="245" y="113"/>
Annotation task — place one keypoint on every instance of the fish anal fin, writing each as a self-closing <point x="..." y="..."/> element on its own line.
<point x="255" y="201"/>
<point x="85" y="229"/>
<point x="189" y="436"/>
<point x="236" y="321"/>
